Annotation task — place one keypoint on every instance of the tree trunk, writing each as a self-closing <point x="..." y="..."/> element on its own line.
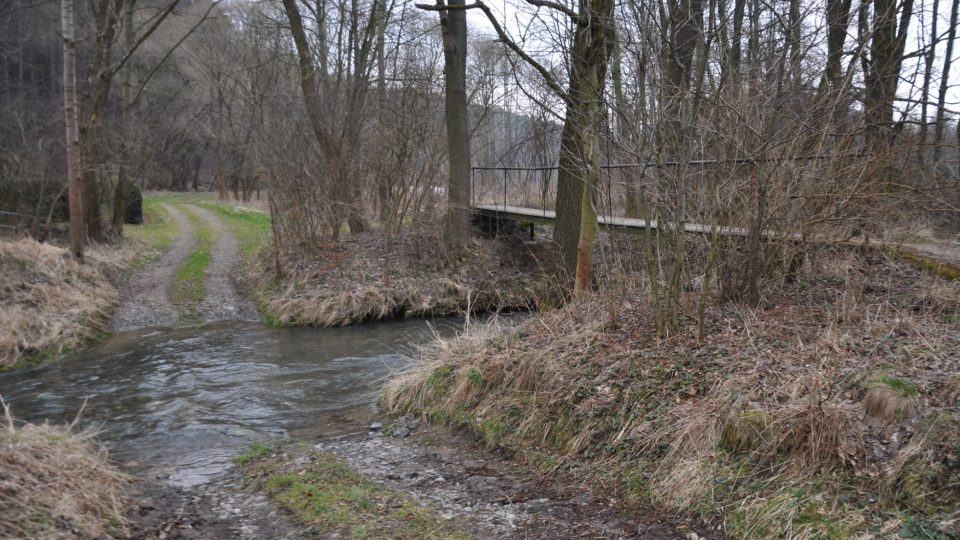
<point x="579" y="166"/>
<point x="886" y="55"/>
<point x="453" y="25"/>
<point x="74" y="178"/>
<point x="624" y="139"/>
<point x="945" y="85"/>
<point x="589" y="71"/>
<point x="99" y="79"/>
<point x="929" y="58"/>
<point x="346" y="194"/>
<point x="120" y="190"/>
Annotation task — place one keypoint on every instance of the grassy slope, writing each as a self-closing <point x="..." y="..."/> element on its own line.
<point x="49" y="303"/>
<point x="818" y="417"/>
<point x="328" y="494"/>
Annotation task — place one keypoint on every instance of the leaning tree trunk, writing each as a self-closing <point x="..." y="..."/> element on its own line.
<point x="74" y="179"/>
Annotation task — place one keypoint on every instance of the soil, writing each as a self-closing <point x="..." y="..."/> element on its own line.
<point x="488" y="493"/>
<point x="221" y="301"/>
<point x="145" y="302"/>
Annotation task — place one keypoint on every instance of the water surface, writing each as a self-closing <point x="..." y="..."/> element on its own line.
<point x="181" y="403"/>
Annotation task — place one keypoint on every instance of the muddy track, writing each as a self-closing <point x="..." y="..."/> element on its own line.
<point x="145" y="303"/>
<point x="220" y="300"/>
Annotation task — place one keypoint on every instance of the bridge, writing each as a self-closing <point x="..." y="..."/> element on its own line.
<point x="503" y="196"/>
<point x="618" y="224"/>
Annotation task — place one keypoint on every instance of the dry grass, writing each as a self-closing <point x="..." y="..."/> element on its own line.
<point x="56" y="482"/>
<point x="49" y="301"/>
<point x="372" y="278"/>
<point x="886" y="404"/>
<point x="762" y="425"/>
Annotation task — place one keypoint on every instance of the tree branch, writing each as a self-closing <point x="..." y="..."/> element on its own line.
<point x="544" y="72"/>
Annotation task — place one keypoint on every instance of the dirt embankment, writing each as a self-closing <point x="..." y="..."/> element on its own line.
<point x="49" y="302"/>
<point x="831" y="411"/>
<point x="370" y="277"/>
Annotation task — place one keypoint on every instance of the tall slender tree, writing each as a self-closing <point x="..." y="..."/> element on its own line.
<point x="70" y="120"/>
<point x="945" y="84"/>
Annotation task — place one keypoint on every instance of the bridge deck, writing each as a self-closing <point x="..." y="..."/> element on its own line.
<point x="615" y="223"/>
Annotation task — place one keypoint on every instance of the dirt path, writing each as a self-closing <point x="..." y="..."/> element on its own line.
<point x="219" y="509"/>
<point x="221" y="301"/>
<point x="145" y="301"/>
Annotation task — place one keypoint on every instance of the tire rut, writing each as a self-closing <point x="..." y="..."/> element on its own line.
<point x="145" y="303"/>
<point x="220" y="300"/>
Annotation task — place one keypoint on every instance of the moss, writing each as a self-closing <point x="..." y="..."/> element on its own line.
<point x="337" y="500"/>
<point x="905" y="388"/>
<point x="935" y="267"/>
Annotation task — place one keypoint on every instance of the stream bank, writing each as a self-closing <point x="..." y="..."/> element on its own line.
<point x="370" y="277"/>
<point x="832" y="410"/>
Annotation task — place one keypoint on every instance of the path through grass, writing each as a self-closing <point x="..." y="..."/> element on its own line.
<point x="187" y="289"/>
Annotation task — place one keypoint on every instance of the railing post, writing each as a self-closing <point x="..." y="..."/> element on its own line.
<point x="504" y="190"/>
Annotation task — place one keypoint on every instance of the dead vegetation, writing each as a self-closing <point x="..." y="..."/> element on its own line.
<point x="827" y="411"/>
<point x="49" y="301"/>
<point x="56" y="482"/>
<point x="372" y="277"/>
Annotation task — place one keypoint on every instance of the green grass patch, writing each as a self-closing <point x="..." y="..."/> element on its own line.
<point x="156" y="233"/>
<point x="328" y="494"/>
<point x="251" y="228"/>
<point x="257" y="451"/>
<point x="900" y="385"/>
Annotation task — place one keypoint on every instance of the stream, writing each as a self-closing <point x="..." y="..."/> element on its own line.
<point x="178" y="404"/>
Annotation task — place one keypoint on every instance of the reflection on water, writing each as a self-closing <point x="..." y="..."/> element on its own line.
<point x="182" y="402"/>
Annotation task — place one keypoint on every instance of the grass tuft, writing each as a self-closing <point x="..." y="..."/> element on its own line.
<point x="56" y="482"/>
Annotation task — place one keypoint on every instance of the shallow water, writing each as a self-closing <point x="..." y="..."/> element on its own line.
<point x="179" y="404"/>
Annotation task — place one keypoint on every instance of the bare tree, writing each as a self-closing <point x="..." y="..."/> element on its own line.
<point x="453" y="25"/>
<point x="944" y="85"/>
<point x="74" y="178"/>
